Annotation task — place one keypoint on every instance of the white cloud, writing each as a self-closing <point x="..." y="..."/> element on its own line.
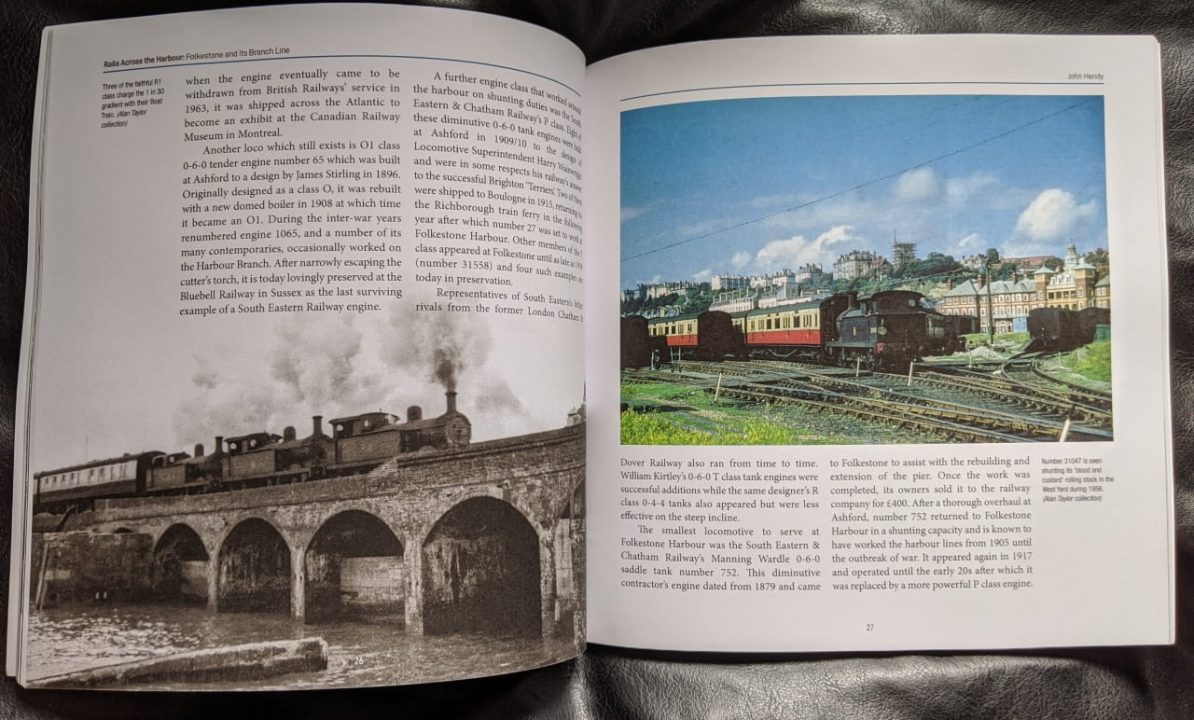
<point x="702" y="276"/>
<point x="846" y="209"/>
<point x="1054" y="215"/>
<point x="970" y="243"/>
<point x="630" y="213"/>
<point x="979" y="187"/>
<point x="796" y="251"/>
<point x="740" y="260"/>
<point x="917" y="185"/>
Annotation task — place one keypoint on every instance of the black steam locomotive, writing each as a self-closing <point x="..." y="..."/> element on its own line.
<point x="358" y="443"/>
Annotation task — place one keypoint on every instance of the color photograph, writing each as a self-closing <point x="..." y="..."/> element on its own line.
<point x="865" y="269"/>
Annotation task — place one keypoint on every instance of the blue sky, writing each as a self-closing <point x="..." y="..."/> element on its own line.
<point x="756" y="185"/>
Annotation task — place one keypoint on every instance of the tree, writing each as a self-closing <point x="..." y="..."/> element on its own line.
<point x="1099" y="259"/>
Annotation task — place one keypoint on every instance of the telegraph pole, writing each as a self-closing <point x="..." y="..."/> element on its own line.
<point x="990" y="309"/>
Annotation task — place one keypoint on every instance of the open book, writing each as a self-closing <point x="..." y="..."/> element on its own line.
<point x="328" y="380"/>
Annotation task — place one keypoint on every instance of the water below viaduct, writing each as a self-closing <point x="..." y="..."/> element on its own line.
<point x="485" y="538"/>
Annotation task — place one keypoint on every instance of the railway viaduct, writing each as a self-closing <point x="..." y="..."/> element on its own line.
<point x="487" y="537"/>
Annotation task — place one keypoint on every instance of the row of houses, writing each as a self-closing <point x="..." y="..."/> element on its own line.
<point x="1077" y="286"/>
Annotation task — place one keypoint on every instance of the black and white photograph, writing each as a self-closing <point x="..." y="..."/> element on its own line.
<point x="314" y="501"/>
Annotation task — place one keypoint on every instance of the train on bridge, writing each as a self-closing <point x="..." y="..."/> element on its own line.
<point x="357" y="444"/>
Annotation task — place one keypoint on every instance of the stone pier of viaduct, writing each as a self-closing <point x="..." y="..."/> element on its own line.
<point x="488" y="537"/>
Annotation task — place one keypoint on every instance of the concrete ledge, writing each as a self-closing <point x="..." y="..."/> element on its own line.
<point x="238" y="662"/>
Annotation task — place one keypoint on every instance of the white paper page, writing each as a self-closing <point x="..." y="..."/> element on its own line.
<point x="741" y="158"/>
<point x="186" y="282"/>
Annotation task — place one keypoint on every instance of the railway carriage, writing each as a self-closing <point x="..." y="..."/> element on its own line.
<point x="635" y="345"/>
<point x="720" y="337"/>
<point x="78" y="485"/>
<point x="1089" y="320"/>
<point x="359" y="443"/>
<point x="680" y="332"/>
<point x="1061" y="329"/>
<point x="795" y="332"/>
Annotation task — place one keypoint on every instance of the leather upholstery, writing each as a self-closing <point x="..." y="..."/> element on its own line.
<point x="1099" y="683"/>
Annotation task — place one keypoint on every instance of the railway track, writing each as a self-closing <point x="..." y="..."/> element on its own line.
<point x="833" y="390"/>
<point x="1080" y="393"/>
<point x="1007" y="389"/>
<point x="883" y="411"/>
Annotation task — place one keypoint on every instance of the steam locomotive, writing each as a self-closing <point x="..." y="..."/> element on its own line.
<point x="886" y="329"/>
<point x="358" y="443"/>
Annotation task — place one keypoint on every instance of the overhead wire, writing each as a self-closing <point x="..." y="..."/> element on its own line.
<point x="863" y="184"/>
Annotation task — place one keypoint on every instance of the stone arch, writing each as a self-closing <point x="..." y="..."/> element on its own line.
<point x="180" y="565"/>
<point x="354" y="564"/>
<point x="481" y="570"/>
<point x="253" y="571"/>
<point x="441" y="507"/>
<point x="568" y="540"/>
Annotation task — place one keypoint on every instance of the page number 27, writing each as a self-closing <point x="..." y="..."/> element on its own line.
<point x="870" y="627"/>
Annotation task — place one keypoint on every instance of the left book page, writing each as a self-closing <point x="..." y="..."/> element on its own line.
<point x="279" y="421"/>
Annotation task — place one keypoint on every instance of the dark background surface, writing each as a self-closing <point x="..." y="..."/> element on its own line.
<point x="1153" y="682"/>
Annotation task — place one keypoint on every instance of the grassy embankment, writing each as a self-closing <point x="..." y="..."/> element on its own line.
<point x="1092" y="362"/>
<point x="688" y="416"/>
<point x="1006" y="341"/>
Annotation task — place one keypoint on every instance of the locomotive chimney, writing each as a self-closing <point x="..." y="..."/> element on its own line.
<point x="288" y="433"/>
<point x="317" y="425"/>
<point x="219" y="444"/>
<point x="198" y="450"/>
<point x="451" y="400"/>
<point x="414" y="413"/>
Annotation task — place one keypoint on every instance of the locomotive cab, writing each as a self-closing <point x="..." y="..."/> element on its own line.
<point x="346" y="427"/>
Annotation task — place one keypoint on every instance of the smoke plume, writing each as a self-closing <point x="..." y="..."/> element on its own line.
<point x="335" y="366"/>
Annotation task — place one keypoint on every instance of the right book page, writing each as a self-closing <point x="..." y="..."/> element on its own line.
<point x="878" y="347"/>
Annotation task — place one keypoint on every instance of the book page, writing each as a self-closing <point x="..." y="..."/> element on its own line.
<point x="866" y="385"/>
<point x="302" y="392"/>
